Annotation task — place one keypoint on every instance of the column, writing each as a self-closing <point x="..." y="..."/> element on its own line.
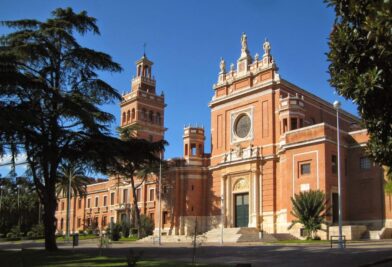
<point x="253" y="222"/>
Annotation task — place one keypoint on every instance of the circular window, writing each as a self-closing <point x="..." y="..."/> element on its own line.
<point x="242" y="126"/>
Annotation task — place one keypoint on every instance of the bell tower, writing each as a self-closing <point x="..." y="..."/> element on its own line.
<point x="142" y="108"/>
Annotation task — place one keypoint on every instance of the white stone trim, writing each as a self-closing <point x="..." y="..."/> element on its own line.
<point x="241" y="100"/>
<point x="234" y="139"/>
<point x="358" y="131"/>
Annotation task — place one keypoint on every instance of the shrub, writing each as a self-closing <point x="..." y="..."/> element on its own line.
<point x="147" y="225"/>
<point x="36" y="231"/>
<point x="125" y="228"/>
<point x="10" y="235"/>
<point x="16" y="231"/>
<point x="114" y="231"/>
<point x="309" y="210"/>
<point x="133" y="231"/>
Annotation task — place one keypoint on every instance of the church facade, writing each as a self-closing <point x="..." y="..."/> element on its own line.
<point x="270" y="140"/>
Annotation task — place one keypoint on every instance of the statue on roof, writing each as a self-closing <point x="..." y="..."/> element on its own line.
<point x="222" y="65"/>
<point x="244" y="42"/>
<point x="266" y="47"/>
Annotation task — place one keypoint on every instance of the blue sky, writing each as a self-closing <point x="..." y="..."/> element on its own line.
<point x="185" y="40"/>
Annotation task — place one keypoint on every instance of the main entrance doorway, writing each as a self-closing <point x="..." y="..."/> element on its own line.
<point x="335" y="208"/>
<point x="241" y="210"/>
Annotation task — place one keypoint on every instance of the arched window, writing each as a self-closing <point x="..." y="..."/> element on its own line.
<point x="61" y="223"/>
<point x="133" y="114"/>
<point x="158" y="118"/>
<point x="124" y="117"/>
<point x="151" y="116"/>
<point x="139" y="70"/>
<point x="128" y="115"/>
<point x="144" y="114"/>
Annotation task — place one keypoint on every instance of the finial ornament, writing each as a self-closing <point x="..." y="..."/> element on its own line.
<point x="244" y="42"/>
<point x="222" y="66"/>
<point x="144" y="49"/>
<point x="232" y="67"/>
<point x="266" y="47"/>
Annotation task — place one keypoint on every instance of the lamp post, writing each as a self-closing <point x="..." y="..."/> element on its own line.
<point x="68" y="207"/>
<point x="222" y="216"/>
<point x="336" y="105"/>
<point x="1" y="195"/>
<point x="17" y="188"/>
<point x="159" y="200"/>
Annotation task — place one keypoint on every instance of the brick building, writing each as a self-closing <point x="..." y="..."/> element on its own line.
<point x="270" y="139"/>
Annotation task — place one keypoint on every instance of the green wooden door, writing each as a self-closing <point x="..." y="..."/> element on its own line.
<point x="241" y="210"/>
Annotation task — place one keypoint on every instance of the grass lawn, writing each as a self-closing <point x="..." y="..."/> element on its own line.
<point x="81" y="237"/>
<point x="67" y="258"/>
<point x="295" y="241"/>
<point x="132" y="238"/>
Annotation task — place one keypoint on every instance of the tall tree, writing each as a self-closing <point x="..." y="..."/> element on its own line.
<point x="71" y="182"/>
<point x="309" y="209"/>
<point x="361" y="66"/>
<point x="50" y="94"/>
<point x="135" y="157"/>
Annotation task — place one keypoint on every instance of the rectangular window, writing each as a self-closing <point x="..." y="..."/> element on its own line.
<point x="62" y="205"/>
<point x="79" y="220"/>
<point x="112" y="198"/>
<point x="96" y="201"/>
<point x="365" y="163"/>
<point x="104" y="221"/>
<point x="105" y="201"/>
<point x="152" y="192"/>
<point x="138" y="194"/>
<point x="152" y="217"/>
<point x="79" y="203"/>
<point x="334" y="163"/>
<point x="193" y="149"/>
<point x="305" y="168"/>
<point x="125" y="196"/>
<point x="294" y="123"/>
<point x="88" y="202"/>
<point x="164" y="217"/>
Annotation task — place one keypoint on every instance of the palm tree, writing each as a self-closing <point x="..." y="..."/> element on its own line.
<point x="309" y="208"/>
<point x="71" y="181"/>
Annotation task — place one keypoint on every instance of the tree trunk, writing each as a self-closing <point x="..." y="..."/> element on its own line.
<point x="49" y="218"/>
<point x="137" y="211"/>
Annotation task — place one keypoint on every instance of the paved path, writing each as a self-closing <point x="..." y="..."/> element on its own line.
<point x="367" y="253"/>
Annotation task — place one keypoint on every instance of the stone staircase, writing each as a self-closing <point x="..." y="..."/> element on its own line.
<point x="383" y="233"/>
<point x="284" y="236"/>
<point x="230" y="235"/>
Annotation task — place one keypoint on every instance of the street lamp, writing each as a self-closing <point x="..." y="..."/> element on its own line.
<point x="17" y="188"/>
<point x="1" y="195"/>
<point x="336" y="105"/>
<point x="68" y="208"/>
<point x="222" y="216"/>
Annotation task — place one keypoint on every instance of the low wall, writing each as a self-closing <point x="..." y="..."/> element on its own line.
<point x="352" y="232"/>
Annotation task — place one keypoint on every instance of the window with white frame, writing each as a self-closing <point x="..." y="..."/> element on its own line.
<point x="151" y="194"/>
